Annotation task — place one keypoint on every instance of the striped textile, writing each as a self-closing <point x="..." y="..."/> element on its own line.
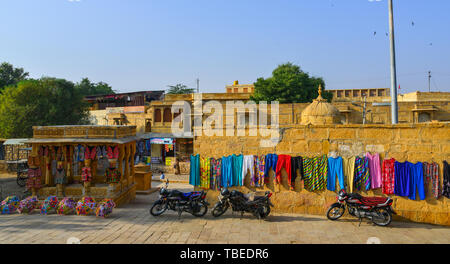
<point x="366" y="175"/>
<point x="205" y="172"/>
<point x="315" y="172"/>
<point x="359" y="171"/>
<point x="362" y="176"/>
<point x="307" y="171"/>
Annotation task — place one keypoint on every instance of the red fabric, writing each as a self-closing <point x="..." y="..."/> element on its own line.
<point x="89" y="154"/>
<point x="113" y="154"/>
<point x="116" y="152"/>
<point x="388" y="176"/>
<point x="86" y="174"/>
<point x="110" y="153"/>
<point x="284" y="161"/>
<point x="372" y="201"/>
<point x="86" y="153"/>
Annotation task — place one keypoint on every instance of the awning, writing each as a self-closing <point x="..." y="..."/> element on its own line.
<point x="82" y="140"/>
<point x="15" y="141"/>
<point x="164" y="135"/>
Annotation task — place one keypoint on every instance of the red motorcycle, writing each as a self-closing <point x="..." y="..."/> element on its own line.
<point x="377" y="209"/>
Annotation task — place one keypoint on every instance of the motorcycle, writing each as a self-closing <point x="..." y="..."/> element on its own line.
<point x="239" y="202"/>
<point x="191" y="202"/>
<point x="377" y="209"/>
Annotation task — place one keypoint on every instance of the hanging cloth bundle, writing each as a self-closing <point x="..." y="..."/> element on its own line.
<point x="89" y="153"/>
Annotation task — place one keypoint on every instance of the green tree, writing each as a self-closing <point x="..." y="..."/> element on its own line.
<point x="10" y="75"/>
<point x="43" y="102"/>
<point x="289" y="84"/>
<point x="179" y="89"/>
<point x="89" y="88"/>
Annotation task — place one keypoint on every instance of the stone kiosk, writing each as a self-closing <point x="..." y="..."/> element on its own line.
<point x="78" y="161"/>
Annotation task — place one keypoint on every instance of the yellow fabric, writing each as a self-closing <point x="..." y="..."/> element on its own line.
<point x="205" y="172"/>
<point x="349" y="172"/>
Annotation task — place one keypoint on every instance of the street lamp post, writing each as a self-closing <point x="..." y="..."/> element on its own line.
<point x="394" y="106"/>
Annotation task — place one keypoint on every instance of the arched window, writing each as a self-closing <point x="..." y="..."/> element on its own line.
<point x="148" y="125"/>
<point x="167" y="115"/>
<point x="157" y="115"/>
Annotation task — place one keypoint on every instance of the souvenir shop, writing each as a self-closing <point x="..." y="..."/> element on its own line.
<point x="163" y="152"/>
<point x="155" y="150"/>
<point x="359" y="173"/>
<point x="82" y="161"/>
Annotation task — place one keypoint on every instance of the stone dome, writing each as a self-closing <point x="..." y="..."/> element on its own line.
<point x="320" y="112"/>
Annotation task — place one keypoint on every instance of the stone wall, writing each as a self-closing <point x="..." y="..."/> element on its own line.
<point x="420" y="142"/>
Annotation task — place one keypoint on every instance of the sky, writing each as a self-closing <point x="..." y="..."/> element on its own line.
<point x="138" y="45"/>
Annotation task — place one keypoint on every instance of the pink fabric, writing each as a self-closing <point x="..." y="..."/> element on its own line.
<point x="374" y="170"/>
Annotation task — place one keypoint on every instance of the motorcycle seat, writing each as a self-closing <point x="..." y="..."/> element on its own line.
<point x="184" y="196"/>
<point x="375" y="201"/>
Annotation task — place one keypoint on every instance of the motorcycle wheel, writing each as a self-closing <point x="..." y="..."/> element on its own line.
<point x="158" y="208"/>
<point x="385" y="218"/>
<point x="203" y="209"/>
<point x="219" y="209"/>
<point x="266" y="211"/>
<point x="335" y="212"/>
<point x="22" y="179"/>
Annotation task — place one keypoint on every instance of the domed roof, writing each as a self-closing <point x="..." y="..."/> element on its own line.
<point x="320" y="112"/>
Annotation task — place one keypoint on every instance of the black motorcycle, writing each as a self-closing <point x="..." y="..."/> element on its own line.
<point x="377" y="209"/>
<point x="239" y="202"/>
<point x="191" y="202"/>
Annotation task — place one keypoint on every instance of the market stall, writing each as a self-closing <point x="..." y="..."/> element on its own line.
<point x="79" y="161"/>
<point x="165" y="152"/>
<point x="16" y="152"/>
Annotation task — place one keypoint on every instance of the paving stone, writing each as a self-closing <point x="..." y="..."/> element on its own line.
<point x="132" y="223"/>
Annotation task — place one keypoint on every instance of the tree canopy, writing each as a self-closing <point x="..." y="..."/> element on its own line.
<point x="89" y="88"/>
<point x="179" y="89"/>
<point x="43" y="102"/>
<point x="289" y="84"/>
<point x="10" y="75"/>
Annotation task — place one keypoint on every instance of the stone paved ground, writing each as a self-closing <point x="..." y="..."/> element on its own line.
<point x="182" y="178"/>
<point x="134" y="224"/>
<point x="8" y="186"/>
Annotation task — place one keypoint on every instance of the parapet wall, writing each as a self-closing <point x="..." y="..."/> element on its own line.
<point x="414" y="143"/>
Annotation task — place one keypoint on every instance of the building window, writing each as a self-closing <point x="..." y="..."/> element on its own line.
<point x="245" y="90"/>
<point x="347" y="93"/>
<point x="356" y="93"/>
<point x="229" y="90"/>
<point x="364" y="93"/>
<point x="236" y="90"/>
<point x="424" y="117"/>
<point x="158" y="115"/>
<point x="380" y="93"/>
<point x="148" y="126"/>
<point x="167" y="115"/>
<point x="339" y="94"/>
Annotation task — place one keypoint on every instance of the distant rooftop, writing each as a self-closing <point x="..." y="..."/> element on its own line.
<point x="101" y="102"/>
<point x="156" y="94"/>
